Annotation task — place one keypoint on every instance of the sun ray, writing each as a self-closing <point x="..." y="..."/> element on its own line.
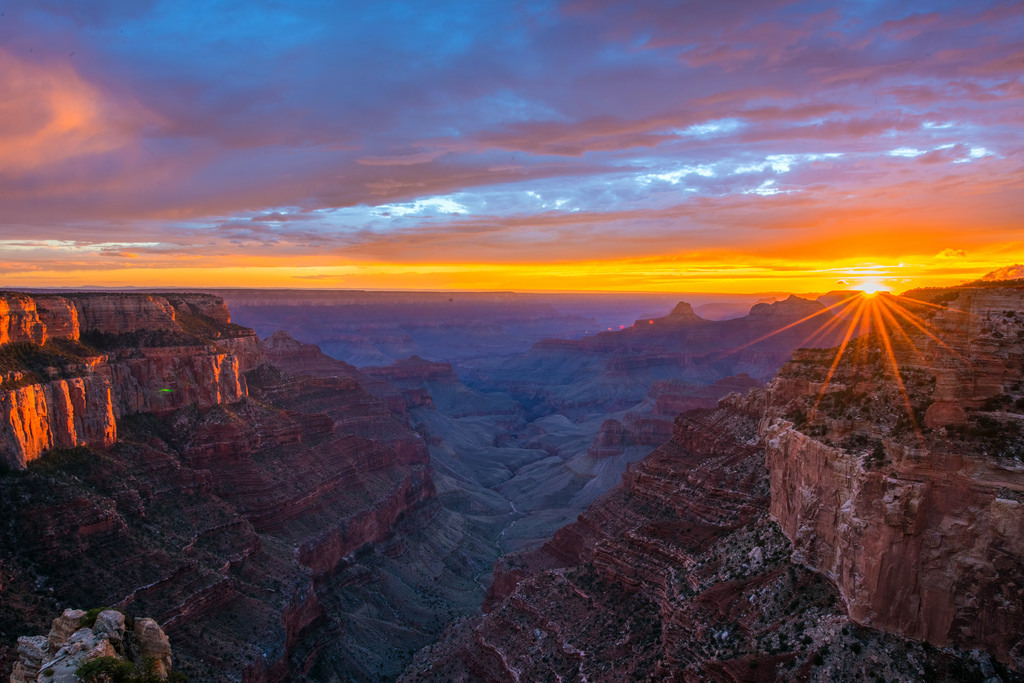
<point x="861" y="305"/>
<point x="894" y="364"/>
<point x="819" y="334"/>
<point x="823" y="311"/>
<point x="938" y="306"/>
<point x="887" y="314"/>
<point x="922" y="325"/>
<point x="863" y="342"/>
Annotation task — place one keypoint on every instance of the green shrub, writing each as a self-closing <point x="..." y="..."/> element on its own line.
<point x="114" y="670"/>
<point x="107" y="670"/>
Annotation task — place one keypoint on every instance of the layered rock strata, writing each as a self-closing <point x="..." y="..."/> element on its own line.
<point x="72" y="365"/>
<point x="895" y="478"/>
<point x="232" y="507"/>
<point x="911" y="501"/>
<point x="678" y="574"/>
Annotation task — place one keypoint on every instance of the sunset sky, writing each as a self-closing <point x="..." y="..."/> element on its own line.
<point x="539" y="145"/>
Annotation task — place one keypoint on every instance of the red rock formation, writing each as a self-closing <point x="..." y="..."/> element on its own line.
<point x="132" y="374"/>
<point x="413" y="369"/>
<point x="223" y="522"/>
<point x="163" y="379"/>
<point x="610" y="441"/>
<point x="19" y="320"/>
<point x="120" y="313"/>
<point x="59" y="315"/>
<point x="918" y="527"/>
<point x="206" y="305"/>
<point x="296" y="357"/>
<point x="676" y="575"/>
<point x="681" y="315"/>
<point x="58" y="414"/>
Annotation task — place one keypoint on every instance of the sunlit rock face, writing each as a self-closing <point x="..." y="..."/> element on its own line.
<point x="57" y="414"/>
<point x="72" y="365"/>
<point x="19" y="320"/>
<point x="911" y="500"/>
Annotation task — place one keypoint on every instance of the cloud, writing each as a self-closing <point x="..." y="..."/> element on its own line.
<point x="1014" y="272"/>
<point x="402" y="159"/>
<point x="551" y="131"/>
<point x="50" y="115"/>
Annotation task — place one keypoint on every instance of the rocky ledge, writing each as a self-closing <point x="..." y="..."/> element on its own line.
<point x="77" y="638"/>
<point x="71" y="366"/>
<point x="679" y="574"/>
<point x="901" y="477"/>
<point x="237" y="508"/>
<point x="859" y="520"/>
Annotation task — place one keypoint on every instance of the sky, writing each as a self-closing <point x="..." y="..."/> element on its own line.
<point x="656" y="145"/>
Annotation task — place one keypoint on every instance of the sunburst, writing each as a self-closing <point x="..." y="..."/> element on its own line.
<point x="870" y="287"/>
<point x="874" y="318"/>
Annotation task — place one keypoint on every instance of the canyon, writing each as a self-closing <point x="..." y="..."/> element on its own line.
<point x="680" y="498"/>
<point x="843" y="523"/>
<point x="905" y="486"/>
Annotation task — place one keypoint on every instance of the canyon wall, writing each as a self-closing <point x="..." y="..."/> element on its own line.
<point x="240" y="505"/>
<point x="71" y="365"/>
<point x="57" y="414"/>
<point x="678" y="574"/>
<point x="911" y="501"/>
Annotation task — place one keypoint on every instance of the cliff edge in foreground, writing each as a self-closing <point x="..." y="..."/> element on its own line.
<point x="900" y="477"/>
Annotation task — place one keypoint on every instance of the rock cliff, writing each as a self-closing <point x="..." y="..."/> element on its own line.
<point x="77" y="638"/>
<point x="861" y="511"/>
<point x="72" y="365"/>
<point x="910" y="499"/>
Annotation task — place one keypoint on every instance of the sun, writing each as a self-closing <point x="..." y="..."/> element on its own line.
<point x="872" y="287"/>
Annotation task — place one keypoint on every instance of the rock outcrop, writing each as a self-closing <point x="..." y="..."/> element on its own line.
<point x="72" y="365"/>
<point x="910" y="500"/>
<point x="59" y="414"/>
<point x="76" y="639"/>
<point x="19" y="320"/>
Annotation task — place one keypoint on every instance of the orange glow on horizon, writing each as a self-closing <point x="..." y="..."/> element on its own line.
<point x="57" y="266"/>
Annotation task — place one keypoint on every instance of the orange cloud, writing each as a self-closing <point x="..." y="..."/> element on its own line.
<point x="49" y="114"/>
